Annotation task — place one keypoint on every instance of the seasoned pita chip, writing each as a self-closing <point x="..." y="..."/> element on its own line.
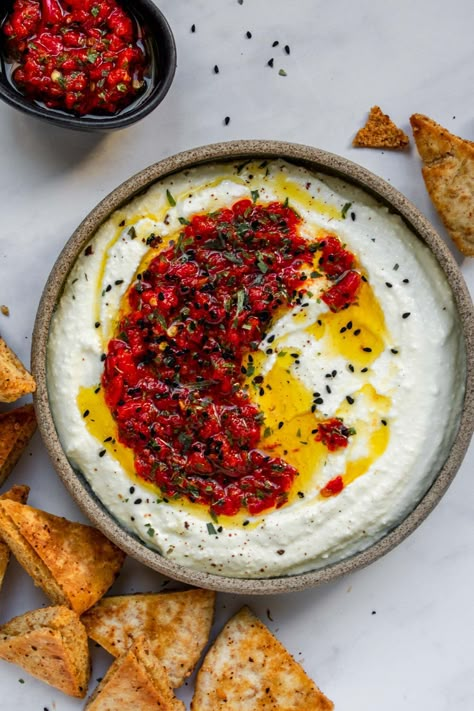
<point x="50" y="644"/>
<point x="248" y="669"/>
<point x="137" y="681"/>
<point x="176" y="625"/>
<point x="20" y="494"/>
<point x="16" y="429"/>
<point x="15" y="380"/>
<point x="74" y="564"/>
<point x="448" y="172"/>
<point x="380" y="132"/>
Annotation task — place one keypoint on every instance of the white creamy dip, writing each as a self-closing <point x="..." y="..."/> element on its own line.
<point x="403" y="402"/>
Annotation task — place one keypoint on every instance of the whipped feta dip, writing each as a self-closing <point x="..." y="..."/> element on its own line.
<point x="402" y="394"/>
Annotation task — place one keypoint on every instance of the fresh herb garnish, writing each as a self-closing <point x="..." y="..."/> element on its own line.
<point x="344" y="210"/>
<point x="171" y="199"/>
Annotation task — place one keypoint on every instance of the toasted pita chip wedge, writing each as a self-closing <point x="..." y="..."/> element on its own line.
<point x="448" y="172"/>
<point x="380" y="132"/>
<point x="15" y="380"/>
<point x="16" y="429"/>
<point x="74" y="564"/>
<point x="20" y="494"/>
<point x="176" y="625"/>
<point x="136" y="681"/>
<point x="248" y="669"/>
<point x="50" y="644"/>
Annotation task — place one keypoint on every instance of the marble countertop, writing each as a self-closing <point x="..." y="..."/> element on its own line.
<point x="397" y="634"/>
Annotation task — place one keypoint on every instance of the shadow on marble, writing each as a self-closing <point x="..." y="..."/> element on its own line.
<point x="56" y="149"/>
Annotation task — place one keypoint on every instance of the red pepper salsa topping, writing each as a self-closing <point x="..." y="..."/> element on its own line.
<point x="334" y="434"/>
<point x="338" y="264"/>
<point x="174" y="374"/>
<point x="82" y="56"/>
<point x="333" y="487"/>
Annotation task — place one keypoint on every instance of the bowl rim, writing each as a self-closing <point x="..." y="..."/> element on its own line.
<point x="317" y="160"/>
<point x="130" y="114"/>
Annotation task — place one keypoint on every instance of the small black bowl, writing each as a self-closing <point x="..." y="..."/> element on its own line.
<point x="161" y="49"/>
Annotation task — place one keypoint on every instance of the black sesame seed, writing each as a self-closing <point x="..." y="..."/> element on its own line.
<point x="319" y="401"/>
<point x="270" y="339"/>
<point x="350" y="399"/>
<point x="281" y="551"/>
<point x="132" y="490"/>
<point x="364" y="370"/>
<point x="406" y="281"/>
<point x="102" y="452"/>
<point x="275" y="43"/>
<point x="357" y="332"/>
<point x="394" y="351"/>
<point x="384" y="422"/>
<point x="387" y="283"/>
<point x="108" y="439"/>
<point x="353" y="216"/>
<point x="367" y="349"/>
<point x="328" y="389"/>
<point x="97" y="324"/>
<point x="270" y="62"/>
<point x="396" y="267"/>
<point x="86" y="413"/>
<point x="313" y="408"/>
<point x="216" y="69"/>
<point x="245" y="523"/>
<point x="334" y="373"/>
<point x="351" y="367"/>
<point x="406" y="314"/>
<point x="193" y="28"/>
<point x="269" y="351"/>
<point x="343" y="329"/>
<point x="138" y="501"/>
<point x="261" y="392"/>
<point x="280" y="425"/>
<point x="300" y="494"/>
<point x="108" y="287"/>
<point x="118" y="282"/>
<point x="227" y="120"/>
<point x="287" y="49"/>
<point x="103" y="357"/>
<point x="349" y="325"/>
<point x="248" y="34"/>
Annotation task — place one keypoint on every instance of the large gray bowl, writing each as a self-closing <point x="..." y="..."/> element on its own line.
<point x="315" y="160"/>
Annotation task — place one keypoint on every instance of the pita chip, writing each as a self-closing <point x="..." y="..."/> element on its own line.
<point x="16" y="429"/>
<point x="448" y="173"/>
<point x="380" y="132"/>
<point x="137" y="681"/>
<point x="20" y="494"/>
<point x="51" y="645"/>
<point x="248" y="669"/>
<point x="74" y="564"/>
<point x="176" y="624"/>
<point x="15" y="380"/>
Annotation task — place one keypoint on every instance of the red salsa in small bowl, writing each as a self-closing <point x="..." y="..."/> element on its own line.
<point x="83" y="56"/>
<point x="85" y="64"/>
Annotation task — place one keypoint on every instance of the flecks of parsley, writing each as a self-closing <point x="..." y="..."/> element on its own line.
<point x="211" y="529"/>
<point x="171" y="199"/>
<point x="344" y="210"/>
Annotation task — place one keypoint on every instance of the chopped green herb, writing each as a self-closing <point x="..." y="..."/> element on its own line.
<point x="255" y="195"/>
<point x="184" y="221"/>
<point x="267" y="432"/>
<point x="132" y="232"/>
<point x="122" y="87"/>
<point x="95" y="11"/>
<point x="92" y="56"/>
<point x="211" y="530"/>
<point x="150" y="531"/>
<point x="282" y="73"/>
<point x="344" y="210"/>
<point x="171" y="199"/>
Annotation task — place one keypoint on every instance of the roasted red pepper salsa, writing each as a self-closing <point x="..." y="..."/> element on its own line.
<point x="82" y="56"/>
<point x="174" y="375"/>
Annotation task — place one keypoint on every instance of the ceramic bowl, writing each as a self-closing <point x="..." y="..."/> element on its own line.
<point x="161" y="49"/>
<point x="315" y="160"/>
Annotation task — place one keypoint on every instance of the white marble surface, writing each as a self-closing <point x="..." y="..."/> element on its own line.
<point x="399" y="633"/>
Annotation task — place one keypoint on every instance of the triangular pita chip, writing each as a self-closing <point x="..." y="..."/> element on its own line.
<point x="135" y="681"/>
<point x="248" y="669"/>
<point x="16" y="429"/>
<point x="176" y="625"/>
<point x="50" y="644"/>
<point x="74" y="564"/>
<point x="380" y="132"/>
<point x="15" y="380"/>
<point x="16" y="493"/>
<point x="449" y="177"/>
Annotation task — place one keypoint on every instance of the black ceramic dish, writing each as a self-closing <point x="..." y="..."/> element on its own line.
<point x="161" y="48"/>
